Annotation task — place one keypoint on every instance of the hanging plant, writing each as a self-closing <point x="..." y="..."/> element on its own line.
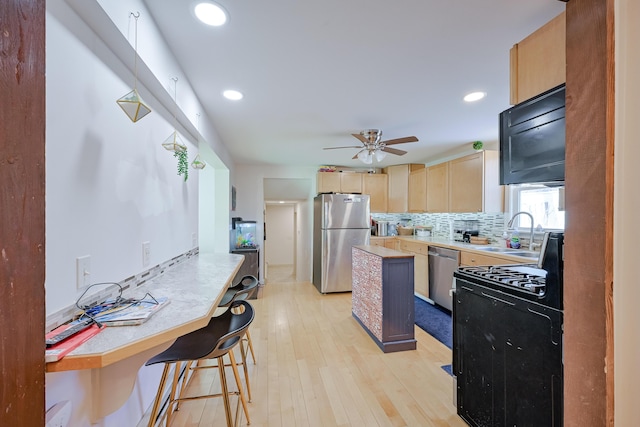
<point x="183" y="164"/>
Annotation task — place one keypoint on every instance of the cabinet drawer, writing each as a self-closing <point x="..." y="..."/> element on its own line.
<point x="470" y="258"/>
<point x="377" y="241"/>
<point x="415" y="247"/>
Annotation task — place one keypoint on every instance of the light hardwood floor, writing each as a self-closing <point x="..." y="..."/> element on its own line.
<point x="316" y="366"/>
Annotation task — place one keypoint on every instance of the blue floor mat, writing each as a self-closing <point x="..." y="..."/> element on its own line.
<point x="434" y="320"/>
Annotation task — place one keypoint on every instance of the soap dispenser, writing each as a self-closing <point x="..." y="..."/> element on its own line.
<point x="515" y="240"/>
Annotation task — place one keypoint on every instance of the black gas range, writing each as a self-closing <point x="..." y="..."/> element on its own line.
<point x="540" y="283"/>
<point x="507" y="341"/>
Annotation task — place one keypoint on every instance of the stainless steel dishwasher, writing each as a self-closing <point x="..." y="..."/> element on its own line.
<point x="442" y="263"/>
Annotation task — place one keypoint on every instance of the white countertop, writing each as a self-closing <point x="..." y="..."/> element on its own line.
<point x="462" y="246"/>
<point x="194" y="288"/>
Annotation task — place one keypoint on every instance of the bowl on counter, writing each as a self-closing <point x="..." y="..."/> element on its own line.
<point x="404" y="231"/>
<point x="422" y="231"/>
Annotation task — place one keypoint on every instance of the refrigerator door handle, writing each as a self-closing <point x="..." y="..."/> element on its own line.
<point x="325" y="214"/>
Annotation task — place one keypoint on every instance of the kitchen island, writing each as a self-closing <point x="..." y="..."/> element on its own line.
<point x="382" y="296"/>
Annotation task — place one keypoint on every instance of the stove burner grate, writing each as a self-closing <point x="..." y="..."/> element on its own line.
<point x="532" y="281"/>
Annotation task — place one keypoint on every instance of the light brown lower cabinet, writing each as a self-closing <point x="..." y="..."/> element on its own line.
<point x="392" y="243"/>
<point x="473" y="259"/>
<point x="421" y="274"/>
<point x="420" y="253"/>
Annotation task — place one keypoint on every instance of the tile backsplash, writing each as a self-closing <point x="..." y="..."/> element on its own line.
<point x="491" y="225"/>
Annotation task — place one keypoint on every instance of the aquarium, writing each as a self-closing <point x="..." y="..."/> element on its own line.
<point x="244" y="234"/>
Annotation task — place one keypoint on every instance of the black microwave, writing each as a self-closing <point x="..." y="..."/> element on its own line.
<point x="532" y="140"/>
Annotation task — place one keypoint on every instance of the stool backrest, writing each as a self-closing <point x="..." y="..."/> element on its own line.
<point x="241" y="291"/>
<point x="240" y="315"/>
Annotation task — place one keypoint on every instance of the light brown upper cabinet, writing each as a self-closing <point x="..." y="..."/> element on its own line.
<point x="376" y="186"/>
<point x="474" y="183"/>
<point x="438" y="188"/>
<point x="538" y="63"/>
<point x="399" y="187"/>
<point x="339" y="182"/>
<point x="418" y="190"/>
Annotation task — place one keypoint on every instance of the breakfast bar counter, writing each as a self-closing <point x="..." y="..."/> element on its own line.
<point x="382" y="296"/>
<point x="194" y="288"/>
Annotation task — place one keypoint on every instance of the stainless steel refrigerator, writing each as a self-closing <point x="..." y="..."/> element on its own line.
<point x="340" y="221"/>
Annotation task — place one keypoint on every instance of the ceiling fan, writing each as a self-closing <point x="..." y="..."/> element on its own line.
<point x="372" y="145"/>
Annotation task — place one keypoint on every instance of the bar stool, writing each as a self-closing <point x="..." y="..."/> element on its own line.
<point x="244" y="289"/>
<point x="213" y="341"/>
<point x="247" y="286"/>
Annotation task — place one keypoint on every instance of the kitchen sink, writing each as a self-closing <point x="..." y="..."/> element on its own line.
<point x="509" y="251"/>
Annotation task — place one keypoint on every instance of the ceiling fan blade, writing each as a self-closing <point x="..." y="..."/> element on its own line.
<point x="335" y="148"/>
<point x="356" y="156"/>
<point x="360" y="137"/>
<point x="400" y="140"/>
<point x="394" y="151"/>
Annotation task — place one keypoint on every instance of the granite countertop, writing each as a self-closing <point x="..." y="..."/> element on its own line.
<point x="194" y="288"/>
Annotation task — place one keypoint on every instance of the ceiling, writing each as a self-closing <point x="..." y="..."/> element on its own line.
<point x="315" y="72"/>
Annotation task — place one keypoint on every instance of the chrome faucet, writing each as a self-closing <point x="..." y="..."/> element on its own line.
<point x="510" y="225"/>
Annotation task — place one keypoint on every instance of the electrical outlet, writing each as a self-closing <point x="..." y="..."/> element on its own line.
<point x="146" y="254"/>
<point x="59" y="414"/>
<point x="83" y="271"/>
<point x="194" y="240"/>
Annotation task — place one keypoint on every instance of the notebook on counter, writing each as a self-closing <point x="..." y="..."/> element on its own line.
<point x="58" y="351"/>
<point x="134" y="314"/>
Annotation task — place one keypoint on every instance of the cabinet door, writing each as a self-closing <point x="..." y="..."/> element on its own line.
<point x="538" y="63"/>
<point x="328" y="182"/>
<point x="466" y="182"/>
<point x="421" y="274"/>
<point x="398" y="188"/>
<point x="377" y="241"/>
<point x="376" y="186"/>
<point x="351" y="183"/>
<point x="391" y="243"/>
<point x="473" y="259"/>
<point x="418" y="190"/>
<point x="438" y="188"/>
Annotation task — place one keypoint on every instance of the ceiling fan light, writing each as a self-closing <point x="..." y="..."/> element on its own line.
<point x="365" y="157"/>
<point x="380" y="155"/>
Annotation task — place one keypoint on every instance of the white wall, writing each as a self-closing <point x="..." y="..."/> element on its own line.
<point x="110" y="185"/>
<point x="626" y="292"/>
<point x="249" y="181"/>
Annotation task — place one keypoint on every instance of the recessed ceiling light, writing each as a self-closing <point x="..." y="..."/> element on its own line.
<point x="474" y="96"/>
<point x="210" y="14"/>
<point x="233" y="95"/>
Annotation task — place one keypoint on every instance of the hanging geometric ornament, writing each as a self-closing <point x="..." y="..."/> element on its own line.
<point x="197" y="163"/>
<point x="131" y="103"/>
<point x="174" y="142"/>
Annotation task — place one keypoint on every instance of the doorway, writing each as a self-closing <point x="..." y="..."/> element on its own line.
<point x="280" y="242"/>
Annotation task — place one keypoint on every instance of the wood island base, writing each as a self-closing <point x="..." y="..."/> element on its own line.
<point x="382" y="296"/>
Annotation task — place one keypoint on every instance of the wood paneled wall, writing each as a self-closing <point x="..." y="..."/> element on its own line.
<point x="588" y="287"/>
<point x="22" y="189"/>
